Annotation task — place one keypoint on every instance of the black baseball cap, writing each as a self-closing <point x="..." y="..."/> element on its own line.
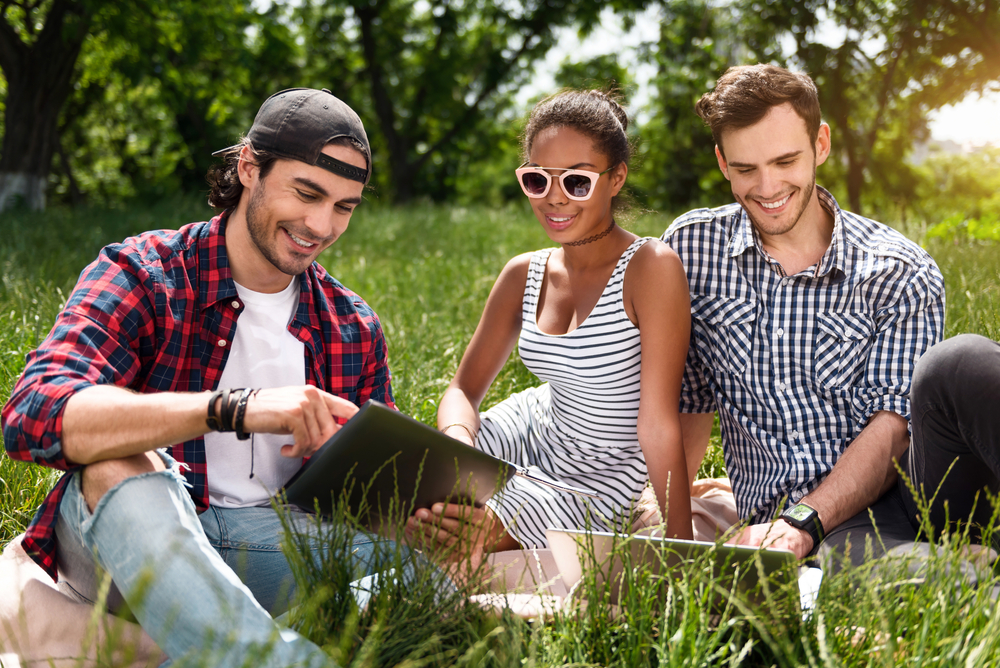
<point x="297" y="123"/>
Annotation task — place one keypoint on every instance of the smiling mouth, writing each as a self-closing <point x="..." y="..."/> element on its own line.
<point x="774" y="205"/>
<point x="299" y="241"/>
<point x="560" y="222"/>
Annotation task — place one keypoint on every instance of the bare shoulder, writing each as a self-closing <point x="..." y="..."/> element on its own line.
<point x="518" y="265"/>
<point x="655" y="260"/>
<point x="508" y="290"/>
<point x="515" y="273"/>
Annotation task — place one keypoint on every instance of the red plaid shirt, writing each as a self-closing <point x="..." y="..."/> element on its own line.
<point x="157" y="313"/>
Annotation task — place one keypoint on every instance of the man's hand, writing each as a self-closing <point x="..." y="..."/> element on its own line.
<point x="779" y="535"/>
<point x="305" y="412"/>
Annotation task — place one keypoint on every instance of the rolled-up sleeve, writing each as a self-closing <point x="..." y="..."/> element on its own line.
<point x="905" y="331"/>
<point x="696" y="392"/>
<point x="94" y="341"/>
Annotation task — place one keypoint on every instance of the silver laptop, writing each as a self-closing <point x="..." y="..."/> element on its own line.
<point x="750" y="571"/>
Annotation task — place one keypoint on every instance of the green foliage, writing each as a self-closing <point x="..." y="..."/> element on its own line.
<point x="895" y="62"/>
<point x="434" y="82"/>
<point x="698" y="41"/>
<point x="160" y="87"/>
<point x="598" y="73"/>
<point x="427" y="270"/>
<point x="961" y="195"/>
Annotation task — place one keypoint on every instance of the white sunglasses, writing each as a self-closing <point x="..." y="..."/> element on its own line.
<point x="578" y="184"/>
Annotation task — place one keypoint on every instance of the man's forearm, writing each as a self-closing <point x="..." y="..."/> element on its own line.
<point x="108" y="422"/>
<point x="864" y="472"/>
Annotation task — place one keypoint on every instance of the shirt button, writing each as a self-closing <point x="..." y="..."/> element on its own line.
<point x="795" y="434"/>
<point x="236" y="304"/>
<point x="222" y="343"/>
<point x="781" y="386"/>
<point x="781" y="332"/>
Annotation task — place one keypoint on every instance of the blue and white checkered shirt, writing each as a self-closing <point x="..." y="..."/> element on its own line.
<point x="796" y="365"/>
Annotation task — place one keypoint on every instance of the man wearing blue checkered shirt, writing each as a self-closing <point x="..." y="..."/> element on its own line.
<point x="807" y="322"/>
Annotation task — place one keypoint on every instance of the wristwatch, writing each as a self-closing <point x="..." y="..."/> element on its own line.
<point x="806" y="518"/>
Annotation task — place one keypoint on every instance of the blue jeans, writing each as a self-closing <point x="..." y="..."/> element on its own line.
<point x="249" y="541"/>
<point x="146" y="534"/>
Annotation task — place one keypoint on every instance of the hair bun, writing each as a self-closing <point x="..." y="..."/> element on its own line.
<point x="613" y="97"/>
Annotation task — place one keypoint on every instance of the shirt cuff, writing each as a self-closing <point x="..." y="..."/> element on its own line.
<point x="892" y="403"/>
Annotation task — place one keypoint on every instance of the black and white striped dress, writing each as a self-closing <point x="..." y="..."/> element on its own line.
<point x="580" y="425"/>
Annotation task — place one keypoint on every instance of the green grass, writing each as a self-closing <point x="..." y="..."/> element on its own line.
<point x="427" y="271"/>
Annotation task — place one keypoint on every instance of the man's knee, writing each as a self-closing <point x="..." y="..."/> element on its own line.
<point x="99" y="477"/>
<point x="956" y="365"/>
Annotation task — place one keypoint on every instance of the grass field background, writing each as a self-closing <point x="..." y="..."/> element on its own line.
<point x="427" y="271"/>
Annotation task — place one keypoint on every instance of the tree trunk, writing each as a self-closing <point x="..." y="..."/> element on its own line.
<point x="39" y="80"/>
<point x="385" y="110"/>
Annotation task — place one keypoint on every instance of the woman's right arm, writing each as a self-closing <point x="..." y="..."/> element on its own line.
<point x="491" y="345"/>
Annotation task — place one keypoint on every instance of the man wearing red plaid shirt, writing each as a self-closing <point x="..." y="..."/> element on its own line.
<point x="189" y="374"/>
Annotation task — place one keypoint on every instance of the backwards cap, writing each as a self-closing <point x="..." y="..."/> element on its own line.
<point x="297" y="123"/>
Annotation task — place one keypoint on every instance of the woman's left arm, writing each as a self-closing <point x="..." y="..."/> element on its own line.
<point x="657" y="300"/>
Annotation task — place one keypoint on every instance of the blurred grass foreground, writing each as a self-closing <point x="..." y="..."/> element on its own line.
<point x="427" y="270"/>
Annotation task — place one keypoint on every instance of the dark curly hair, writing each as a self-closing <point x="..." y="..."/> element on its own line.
<point x="594" y="113"/>
<point x="224" y="185"/>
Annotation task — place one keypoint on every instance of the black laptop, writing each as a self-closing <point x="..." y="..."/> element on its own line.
<point x="382" y="459"/>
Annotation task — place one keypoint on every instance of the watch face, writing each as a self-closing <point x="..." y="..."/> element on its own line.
<point x="800" y="512"/>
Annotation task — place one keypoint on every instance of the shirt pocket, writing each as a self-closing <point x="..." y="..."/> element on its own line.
<point x="728" y="331"/>
<point x="843" y="341"/>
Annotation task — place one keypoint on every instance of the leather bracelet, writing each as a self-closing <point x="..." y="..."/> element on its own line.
<point x="226" y="410"/>
<point x="241" y="409"/>
<point x="464" y="425"/>
<point x="212" y="420"/>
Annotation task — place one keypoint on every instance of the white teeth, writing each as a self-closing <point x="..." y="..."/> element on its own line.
<point x="301" y="242"/>
<point x="774" y="205"/>
<point x="559" y="220"/>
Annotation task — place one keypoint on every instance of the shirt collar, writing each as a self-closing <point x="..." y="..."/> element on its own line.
<point x="745" y="236"/>
<point x="215" y="277"/>
<point x="834" y="257"/>
<point x="743" y="233"/>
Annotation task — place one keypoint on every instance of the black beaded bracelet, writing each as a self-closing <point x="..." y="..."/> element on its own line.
<point x="241" y="409"/>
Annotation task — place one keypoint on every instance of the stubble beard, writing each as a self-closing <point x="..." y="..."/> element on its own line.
<point x="771" y="231"/>
<point x="256" y="216"/>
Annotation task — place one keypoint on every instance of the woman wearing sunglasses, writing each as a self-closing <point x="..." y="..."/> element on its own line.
<point x="604" y="320"/>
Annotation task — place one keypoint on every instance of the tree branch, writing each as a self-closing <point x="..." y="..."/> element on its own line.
<point x="11" y="46"/>
<point x="384" y="108"/>
<point x="487" y="90"/>
<point x="417" y="108"/>
<point x="883" y="99"/>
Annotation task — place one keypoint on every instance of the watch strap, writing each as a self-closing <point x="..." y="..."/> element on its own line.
<point x="811" y="524"/>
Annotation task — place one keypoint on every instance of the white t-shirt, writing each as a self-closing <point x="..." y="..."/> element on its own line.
<point x="264" y="354"/>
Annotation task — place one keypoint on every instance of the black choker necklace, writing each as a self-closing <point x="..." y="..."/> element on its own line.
<point x="597" y="236"/>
